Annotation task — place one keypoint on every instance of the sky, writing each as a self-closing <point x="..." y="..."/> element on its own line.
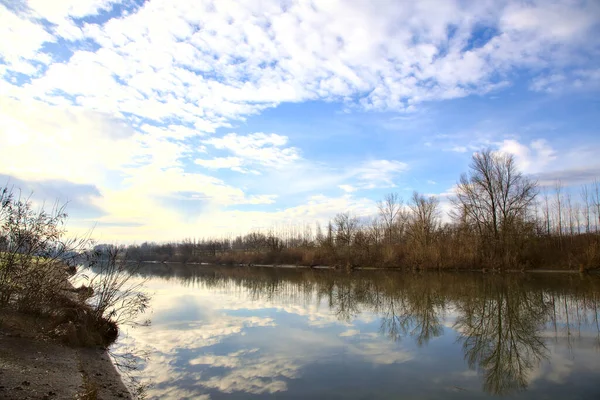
<point x="166" y="119"/>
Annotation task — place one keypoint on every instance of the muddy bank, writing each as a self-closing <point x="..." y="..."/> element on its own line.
<point x="33" y="365"/>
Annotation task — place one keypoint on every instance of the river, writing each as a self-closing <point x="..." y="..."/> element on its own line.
<point x="239" y="332"/>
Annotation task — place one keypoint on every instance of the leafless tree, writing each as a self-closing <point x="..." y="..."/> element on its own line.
<point x="346" y="227"/>
<point x="375" y="230"/>
<point x="558" y="203"/>
<point x="547" y="217"/>
<point x="390" y="211"/>
<point x="596" y="203"/>
<point x="424" y="218"/>
<point x="494" y="196"/>
<point x="577" y="210"/>
<point x="570" y="215"/>
<point x="585" y="197"/>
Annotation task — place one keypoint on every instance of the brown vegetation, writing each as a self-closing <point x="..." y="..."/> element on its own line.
<point x="36" y="264"/>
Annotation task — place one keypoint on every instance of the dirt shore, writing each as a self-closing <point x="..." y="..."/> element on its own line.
<point x="33" y="365"/>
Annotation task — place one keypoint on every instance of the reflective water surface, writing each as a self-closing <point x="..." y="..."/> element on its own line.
<point x="232" y="332"/>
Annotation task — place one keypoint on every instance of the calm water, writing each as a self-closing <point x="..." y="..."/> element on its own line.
<point x="274" y="333"/>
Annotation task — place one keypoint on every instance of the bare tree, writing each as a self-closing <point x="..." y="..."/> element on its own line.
<point x="596" y="203"/>
<point x="585" y="197"/>
<point x="570" y="215"/>
<point x="425" y="218"/>
<point x="494" y="197"/>
<point x="346" y="227"/>
<point x="577" y="212"/>
<point x="320" y="238"/>
<point x="547" y="217"/>
<point x="558" y="203"/>
<point x="390" y="211"/>
<point x="375" y="230"/>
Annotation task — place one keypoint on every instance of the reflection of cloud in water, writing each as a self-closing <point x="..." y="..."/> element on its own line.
<point x="371" y="348"/>
<point x="165" y="343"/>
<point x="317" y="312"/>
<point x="197" y="335"/>
<point x="265" y="338"/>
<point x="173" y="392"/>
<point x="249" y="371"/>
<point x="565" y="361"/>
<point x="259" y="370"/>
<point x="229" y="361"/>
<point x="556" y="372"/>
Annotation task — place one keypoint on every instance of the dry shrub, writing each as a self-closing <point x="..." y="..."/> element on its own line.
<point x="116" y="293"/>
<point x="36" y="262"/>
<point x="35" y="257"/>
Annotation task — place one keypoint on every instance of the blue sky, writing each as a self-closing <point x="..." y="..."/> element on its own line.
<point x="159" y="120"/>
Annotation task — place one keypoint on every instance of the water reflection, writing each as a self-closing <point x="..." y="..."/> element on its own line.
<point x="500" y="327"/>
<point x="242" y="332"/>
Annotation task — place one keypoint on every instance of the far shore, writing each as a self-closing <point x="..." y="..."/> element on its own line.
<point x="397" y="269"/>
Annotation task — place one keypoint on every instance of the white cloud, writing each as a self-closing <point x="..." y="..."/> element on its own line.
<point x="58" y="10"/>
<point x="227" y="60"/>
<point x="459" y="149"/>
<point x="379" y="173"/>
<point x="545" y="161"/>
<point x="44" y="142"/>
<point x="173" y="71"/>
<point x="74" y="144"/>
<point x="348" y="188"/>
<point x="530" y="159"/>
<point x="350" y="332"/>
<point x="233" y="163"/>
<point x="21" y="40"/>
<point x="559" y="82"/>
<point x="257" y="148"/>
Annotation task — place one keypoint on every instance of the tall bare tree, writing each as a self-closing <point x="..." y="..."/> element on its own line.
<point x="558" y="206"/>
<point x="547" y="218"/>
<point x="390" y="212"/>
<point x="494" y="197"/>
<point x="570" y="215"/>
<point x="585" y="197"/>
<point x="346" y="227"/>
<point x="596" y="203"/>
<point x="424" y="218"/>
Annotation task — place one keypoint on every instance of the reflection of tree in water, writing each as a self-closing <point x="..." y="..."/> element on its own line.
<point x="343" y="302"/>
<point x="500" y="329"/>
<point x="500" y="318"/>
<point x="416" y="313"/>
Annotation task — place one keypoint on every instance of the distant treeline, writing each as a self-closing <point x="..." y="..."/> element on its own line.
<point x="499" y="220"/>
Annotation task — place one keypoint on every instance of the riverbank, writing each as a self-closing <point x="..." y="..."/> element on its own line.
<point x="34" y="364"/>
<point x="168" y="264"/>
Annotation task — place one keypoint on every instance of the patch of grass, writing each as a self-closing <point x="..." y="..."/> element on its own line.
<point x="89" y="389"/>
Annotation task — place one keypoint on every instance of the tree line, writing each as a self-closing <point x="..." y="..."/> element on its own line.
<point x="500" y="219"/>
